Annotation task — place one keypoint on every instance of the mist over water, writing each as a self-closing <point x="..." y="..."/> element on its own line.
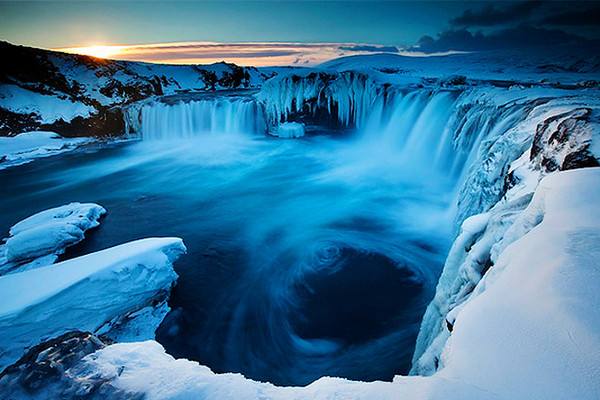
<point x="306" y="258"/>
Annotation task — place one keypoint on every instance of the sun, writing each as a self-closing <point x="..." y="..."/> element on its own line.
<point x="99" y="51"/>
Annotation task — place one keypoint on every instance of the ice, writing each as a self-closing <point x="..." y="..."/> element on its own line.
<point x="27" y="146"/>
<point x="39" y="240"/>
<point x="289" y="130"/>
<point x="85" y="293"/>
<point x="351" y="94"/>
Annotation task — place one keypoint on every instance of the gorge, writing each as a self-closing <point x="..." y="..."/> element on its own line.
<point x="375" y="242"/>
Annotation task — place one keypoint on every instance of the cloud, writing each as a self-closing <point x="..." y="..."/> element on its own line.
<point x="491" y="15"/>
<point x="243" y="53"/>
<point x="371" y="49"/>
<point x="585" y="15"/>
<point x="521" y="37"/>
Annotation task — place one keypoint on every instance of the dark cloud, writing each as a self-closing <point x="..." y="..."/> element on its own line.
<point x="491" y="15"/>
<point x="579" y="14"/>
<point x="521" y="37"/>
<point x="370" y="48"/>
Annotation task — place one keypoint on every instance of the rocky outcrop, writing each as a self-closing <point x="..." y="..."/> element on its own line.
<point x="562" y="142"/>
<point x="48" y="370"/>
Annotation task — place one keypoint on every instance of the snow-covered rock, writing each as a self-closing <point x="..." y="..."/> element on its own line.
<point x="27" y="146"/>
<point x="39" y="240"/>
<point x="50" y="108"/>
<point x="561" y="134"/>
<point x="85" y="293"/>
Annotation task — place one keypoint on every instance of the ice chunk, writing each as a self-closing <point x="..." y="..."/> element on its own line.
<point x="38" y="240"/>
<point x="289" y="130"/>
<point x="83" y="293"/>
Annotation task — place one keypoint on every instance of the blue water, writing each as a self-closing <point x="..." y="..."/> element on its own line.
<point x="306" y="257"/>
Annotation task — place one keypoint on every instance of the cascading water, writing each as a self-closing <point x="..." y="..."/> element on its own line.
<point x="184" y="120"/>
<point x="317" y="256"/>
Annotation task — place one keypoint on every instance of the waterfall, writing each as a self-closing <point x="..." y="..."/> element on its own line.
<point x="222" y="115"/>
<point x="437" y="133"/>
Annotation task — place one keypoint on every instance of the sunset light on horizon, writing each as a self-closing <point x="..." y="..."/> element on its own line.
<point x="240" y="53"/>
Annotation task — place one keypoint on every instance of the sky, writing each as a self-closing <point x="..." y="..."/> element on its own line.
<point x="283" y="33"/>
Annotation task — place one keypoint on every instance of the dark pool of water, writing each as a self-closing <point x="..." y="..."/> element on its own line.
<point x="305" y="258"/>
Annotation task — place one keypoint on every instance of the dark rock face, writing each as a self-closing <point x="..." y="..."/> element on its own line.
<point x="108" y="122"/>
<point x="53" y="370"/>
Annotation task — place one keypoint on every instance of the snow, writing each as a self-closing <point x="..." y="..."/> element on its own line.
<point x="27" y="146"/>
<point x="489" y="65"/>
<point x="289" y="130"/>
<point x="83" y="293"/>
<point x="528" y="331"/>
<point x="40" y="239"/>
<point x="534" y="317"/>
<point x="505" y="149"/>
<point x="48" y="108"/>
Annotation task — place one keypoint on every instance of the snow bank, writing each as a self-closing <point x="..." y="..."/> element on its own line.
<point x="83" y="293"/>
<point x="529" y="330"/>
<point x="40" y="239"/>
<point x="556" y="65"/>
<point x="27" y="146"/>
<point x="289" y="130"/>
<point x="533" y="136"/>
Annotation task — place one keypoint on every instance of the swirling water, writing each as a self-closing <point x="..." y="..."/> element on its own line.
<point x="306" y="257"/>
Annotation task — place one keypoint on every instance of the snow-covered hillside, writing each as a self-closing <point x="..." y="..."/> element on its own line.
<point x="76" y="95"/>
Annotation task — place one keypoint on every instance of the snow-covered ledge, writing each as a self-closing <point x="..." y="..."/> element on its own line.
<point x="93" y="292"/>
<point x="27" y="146"/>
<point x="39" y="239"/>
<point x="528" y="331"/>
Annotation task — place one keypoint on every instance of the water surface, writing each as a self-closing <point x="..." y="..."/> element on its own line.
<point x="306" y="257"/>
